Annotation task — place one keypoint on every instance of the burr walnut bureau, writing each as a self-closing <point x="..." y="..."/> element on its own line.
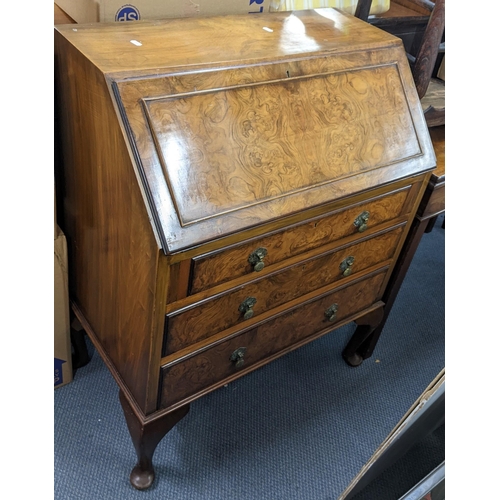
<point x="232" y="188"/>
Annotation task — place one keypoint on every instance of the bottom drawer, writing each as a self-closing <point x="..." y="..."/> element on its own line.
<point x="210" y="367"/>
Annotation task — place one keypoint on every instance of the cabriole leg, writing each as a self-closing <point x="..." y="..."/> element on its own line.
<point x="145" y="437"/>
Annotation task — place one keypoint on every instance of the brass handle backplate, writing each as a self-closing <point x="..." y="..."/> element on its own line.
<point x="331" y="312"/>
<point x="346" y="266"/>
<point x="238" y="357"/>
<point x="246" y="307"/>
<point x="361" y="221"/>
<point x="256" y="259"/>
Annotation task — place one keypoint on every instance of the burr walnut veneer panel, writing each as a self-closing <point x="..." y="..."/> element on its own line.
<point x="226" y="264"/>
<point x="204" y="318"/>
<point x="230" y="193"/>
<point x="214" y="365"/>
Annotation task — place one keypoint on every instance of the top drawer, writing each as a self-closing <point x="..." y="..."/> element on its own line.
<point x="218" y="267"/>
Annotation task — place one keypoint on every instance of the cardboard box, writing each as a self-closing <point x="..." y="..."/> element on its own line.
<point x="63" y="369"/>
<point x="91" y="11"/>
<point x="349" y="6"/>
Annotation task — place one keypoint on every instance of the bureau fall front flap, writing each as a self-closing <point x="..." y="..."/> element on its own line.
<point x="322" y="109"/>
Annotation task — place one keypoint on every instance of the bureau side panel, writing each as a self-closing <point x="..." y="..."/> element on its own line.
<point x="113" y="254"/>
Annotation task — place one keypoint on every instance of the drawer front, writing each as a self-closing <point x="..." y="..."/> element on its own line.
<point x="248" y="301"/>
<point x="221" y="266"/>
<point x="215" y="364"/>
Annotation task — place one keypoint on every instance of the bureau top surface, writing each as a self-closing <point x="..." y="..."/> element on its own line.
<point x="237" y="121"/>
<point x="141" y="45"/>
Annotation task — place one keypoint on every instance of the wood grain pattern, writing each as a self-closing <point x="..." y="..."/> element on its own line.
<point x="204" y="320"/>
<point x="397" y="10"/>
<point x="427" y="54"/>
<point x="107" y="226"/>
<point x="60" y="17"/>
<point x="438" y="137"/>
<point x="117" y="199"/>
<point x="235" y="201"/>
<point x="433" y="103"/>
<point x="196" y="373"/>
<point x="281" y="137"/>
<point x="220" y="41"/>
<point x="227" y="264"/>
<point x="433" y="201"/>
<point x="187" y="141"/>
<point x="422" y="7"/>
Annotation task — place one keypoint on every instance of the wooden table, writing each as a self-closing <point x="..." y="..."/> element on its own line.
<point x="431" y="205"/>
<point x="404" y="20"/>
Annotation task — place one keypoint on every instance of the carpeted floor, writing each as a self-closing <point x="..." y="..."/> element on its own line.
<point x="297" y="429"/>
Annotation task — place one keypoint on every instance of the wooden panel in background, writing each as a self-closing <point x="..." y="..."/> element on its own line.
<point x="60" y="17"/>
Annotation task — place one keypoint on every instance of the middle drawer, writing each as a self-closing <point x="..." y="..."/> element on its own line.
<point x="242" y="304"/>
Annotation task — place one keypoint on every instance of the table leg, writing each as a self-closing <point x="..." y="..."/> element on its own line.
<point x="365" y="338"/>
<point x="430" y="224"/>
<point x="353" y="353"/>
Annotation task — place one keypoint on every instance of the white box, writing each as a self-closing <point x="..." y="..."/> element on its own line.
<point x="349" y="6"/>
<point x="91" y="11"/>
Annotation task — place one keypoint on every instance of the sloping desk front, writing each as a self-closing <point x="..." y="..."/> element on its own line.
<point x="234" y="187"/>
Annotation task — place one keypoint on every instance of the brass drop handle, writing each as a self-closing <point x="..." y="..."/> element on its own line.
<point x="346" y="266"/>
<point x="256" y="259"/>
<point x="361" y="221"/>
<point x="246" y="307"/>
<point x="331" y="312"/>
<point x="238" y="357"/>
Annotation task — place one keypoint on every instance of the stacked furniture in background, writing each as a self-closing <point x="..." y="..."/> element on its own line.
<point x="431" y="93"/>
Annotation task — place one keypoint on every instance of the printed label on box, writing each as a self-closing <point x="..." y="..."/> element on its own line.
<point x="58" y="372"/>
<point x="127" y="12"/>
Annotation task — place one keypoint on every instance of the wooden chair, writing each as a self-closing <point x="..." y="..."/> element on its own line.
<point x="363" y="9"/>
<point x="431" y="90"/>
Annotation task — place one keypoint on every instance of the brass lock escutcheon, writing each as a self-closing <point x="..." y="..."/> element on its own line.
<point x="331" y="312"/>
<point x="256" y="259"/>
<point x="346" y="265"/>
<point x="238" y="357"/>
<point x="361" y="221"/>
<point x="246" y="307"/>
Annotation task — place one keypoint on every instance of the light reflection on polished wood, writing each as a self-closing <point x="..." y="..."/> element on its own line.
<point x="229" y="195"/>
<point x="219" y="267"/>
<point x="276" y="289"/>
<point x="281" y="137"/>
<point x="222" y="41"/>
<point x="213" y="365"/>
<point x="206" y="137"/>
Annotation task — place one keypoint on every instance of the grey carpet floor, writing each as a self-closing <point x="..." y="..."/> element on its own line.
<point x="297" y="429"/>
